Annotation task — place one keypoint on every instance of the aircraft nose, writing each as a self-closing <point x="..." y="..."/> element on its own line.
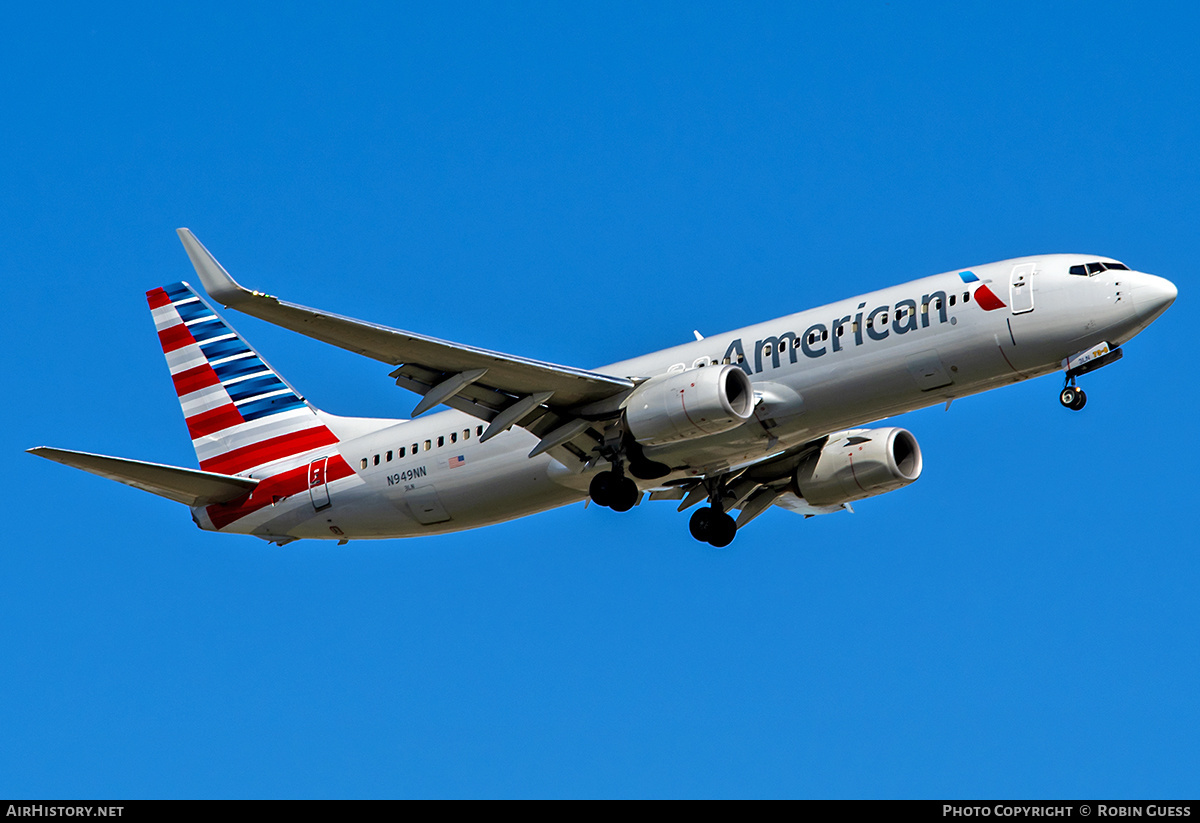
<point x="1153" y="295"/>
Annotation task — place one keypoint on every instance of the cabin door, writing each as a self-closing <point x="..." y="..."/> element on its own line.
<point x="1021" y="288"/>
<point x="318" y="489"/>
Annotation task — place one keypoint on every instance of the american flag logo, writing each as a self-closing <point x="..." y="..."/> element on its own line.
<point x="456" y="462"/>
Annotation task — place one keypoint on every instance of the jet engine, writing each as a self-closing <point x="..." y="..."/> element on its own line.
<point x="858" y="464"/>
<point x="694" y="403"/>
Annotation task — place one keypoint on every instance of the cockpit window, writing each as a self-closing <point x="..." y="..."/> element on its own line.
<point x="1097" y="267"/>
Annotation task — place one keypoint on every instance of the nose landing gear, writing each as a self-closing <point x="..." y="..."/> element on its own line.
<point x="1086" y="361"/>
<point x="1073" y="397"/>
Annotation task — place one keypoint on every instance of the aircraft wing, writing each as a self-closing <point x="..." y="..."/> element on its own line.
<point x="188" y="486"/>
<point x="480" y="382"/>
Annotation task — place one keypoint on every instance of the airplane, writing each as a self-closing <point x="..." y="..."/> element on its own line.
<point x="774" y="414"/>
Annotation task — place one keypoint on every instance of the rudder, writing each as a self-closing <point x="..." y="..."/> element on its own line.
<point x="240" y="413"/>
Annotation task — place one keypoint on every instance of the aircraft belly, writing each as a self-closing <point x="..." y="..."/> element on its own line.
<point x="502" y="486"/>
<point x="425" y="505"/>
<point x="514" y="486"/>
<point x="746" y="442"/>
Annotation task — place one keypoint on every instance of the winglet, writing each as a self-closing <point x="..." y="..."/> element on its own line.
<point x="217" y="282"/>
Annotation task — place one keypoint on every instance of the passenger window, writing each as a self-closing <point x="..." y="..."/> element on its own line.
<point x="376" y="460"/>
<point x="839" y="331"/>
<point x="441" y="442"/>
<point x="428" y="445"/>
<point x="453" y="437"/>
<point x="952" y="297"/>
<point x="966" y="297"/>
<point x="415" y="449"/>
<point x="400" y="452"/>
<point x="824" y="334"/>
<point x="479" y="430"/>
<point x="364" y="462"/>
<point x="388" y="456"/>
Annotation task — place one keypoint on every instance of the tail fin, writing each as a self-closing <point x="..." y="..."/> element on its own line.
<point x="240" y="413"/>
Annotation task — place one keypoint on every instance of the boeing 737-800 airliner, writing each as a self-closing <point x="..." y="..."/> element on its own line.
<point x="771" y="414"/>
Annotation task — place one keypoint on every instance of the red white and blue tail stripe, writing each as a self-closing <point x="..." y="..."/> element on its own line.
<point x="241" y="415"/>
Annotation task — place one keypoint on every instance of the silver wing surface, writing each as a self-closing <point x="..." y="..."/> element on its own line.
<point x="499" y="388"/>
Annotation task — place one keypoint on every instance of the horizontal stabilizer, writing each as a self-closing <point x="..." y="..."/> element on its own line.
<point x="188" y="486"/>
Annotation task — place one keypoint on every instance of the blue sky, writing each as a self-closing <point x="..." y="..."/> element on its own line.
<point x="580" y="184"/>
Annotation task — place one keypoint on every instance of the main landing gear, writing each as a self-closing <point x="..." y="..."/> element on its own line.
<point x="712" y="525"/>
<point x="614" y="490"/>
<point x="1072" y="397"/>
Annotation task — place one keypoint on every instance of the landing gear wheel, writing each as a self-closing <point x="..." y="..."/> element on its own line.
<point x="721" y="531"/>
<point x="1073" y="398"/>
<point x="613" y="490"/>
<point x="716" y="528"/>
<point x="624" y="495"/>
<point x="701" y="524"/>
<point x="603" y="488"/>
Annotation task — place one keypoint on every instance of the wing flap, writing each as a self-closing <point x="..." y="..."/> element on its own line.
<point x="188" y="486"/>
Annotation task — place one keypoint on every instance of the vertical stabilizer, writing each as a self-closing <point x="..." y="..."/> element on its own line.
<point x="241" y="415"/>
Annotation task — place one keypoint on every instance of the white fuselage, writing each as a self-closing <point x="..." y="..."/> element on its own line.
<point x="899" y="349"/>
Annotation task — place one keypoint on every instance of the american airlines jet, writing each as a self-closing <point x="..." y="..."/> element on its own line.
<point x="771" y="414"/>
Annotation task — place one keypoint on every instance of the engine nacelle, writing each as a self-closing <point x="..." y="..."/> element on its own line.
<point x="689" y="404"/>
<point x="858" y="464"/>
